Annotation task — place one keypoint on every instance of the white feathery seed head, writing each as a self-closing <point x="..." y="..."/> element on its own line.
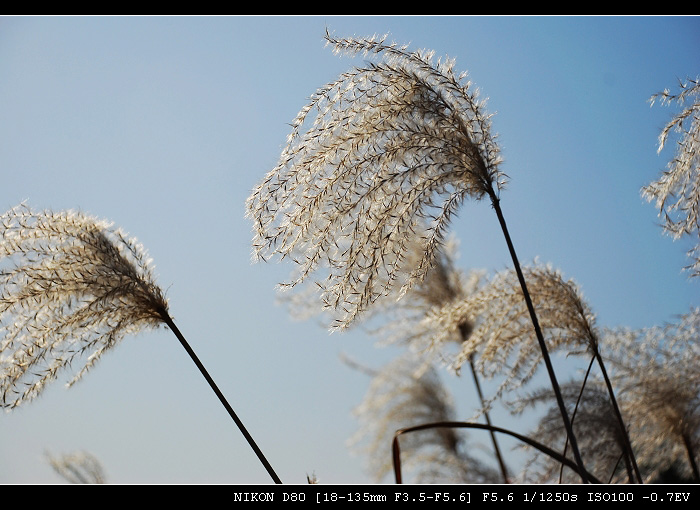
<point x="71" y="287"/>
<point x="656" y="372"/>
<point x="406" y="393"/>
<point x="502" y="334"/>
<point x="376" y="154"/>
<point x="78" y="468"/>
<point x="677" y="191"/>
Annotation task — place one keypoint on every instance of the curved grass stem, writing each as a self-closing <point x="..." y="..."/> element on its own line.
<point x="396" y="450"/>
<point x="618" y="415"/>
<point x="487" y="417"/>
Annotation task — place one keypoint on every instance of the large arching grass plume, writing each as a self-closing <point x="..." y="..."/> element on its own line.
<point x="501" y="341"/>
<point x="71" y="288"/>
<point x="400" y="142"/>
<point x="394" y="145"/>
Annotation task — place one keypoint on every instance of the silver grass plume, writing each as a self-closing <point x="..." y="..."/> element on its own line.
<point x="391" y="144"/>
<point x="78" y="468"/>
<point x="71" y="287"/>
<point x="677" y="191"/>
<point x="407" y="317"/>
<point x="503" y="337"/>
<point x="656" y="370"/>
<point x="405" y="393"/>
<point x="502" y="334"/>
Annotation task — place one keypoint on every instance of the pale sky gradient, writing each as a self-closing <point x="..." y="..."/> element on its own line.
<point x="164" y="125"/>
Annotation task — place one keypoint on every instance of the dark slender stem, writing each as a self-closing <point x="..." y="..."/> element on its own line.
<point x="396" y="451"/>
<point x="627" y="455"/>
<point x="573" y="415"/>
<point x="168" y="320"/>
<point x="612" y="473"/>
<point x="477" y="384"/>
<point x="618" y="415"/>
<point x="540" y="339"/>
<point x="497" y="450"/>
<point x="691" y="457"/>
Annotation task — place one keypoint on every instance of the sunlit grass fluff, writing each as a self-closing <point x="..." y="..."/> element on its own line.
<point x="502" y="332"/>
<point x="71" y="287"/>
<point x="657" y="372"/>
<point x="603" y="441"/>
<point x="78" y="468"/>
<point x="677" y="191"/>
<point x="491" y="323"/>
<point x="405" y="393"/>
<point x="392" y="145"/>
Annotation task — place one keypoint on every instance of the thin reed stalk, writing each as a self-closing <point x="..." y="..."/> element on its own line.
<point x="540" y="339"/>
<point x="630" y="456"/>
<point x="487" y="416"/>
<point x="169" y="322"/>
<point x="687" y="442"/>
<point x="72" y="287"/>
<point x="492" y="433"/>
<point x="578" y="401"/>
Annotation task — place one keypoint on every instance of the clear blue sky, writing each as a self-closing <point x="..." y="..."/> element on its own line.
<point x="164" y="125"/>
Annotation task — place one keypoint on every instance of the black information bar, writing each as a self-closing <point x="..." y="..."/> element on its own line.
<point x="482" y="495"/>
